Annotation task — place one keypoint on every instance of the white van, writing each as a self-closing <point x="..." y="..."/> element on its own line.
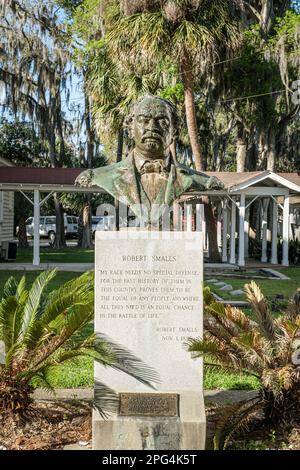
<point x="48" y="226"/>
<point x="102" y="222"/>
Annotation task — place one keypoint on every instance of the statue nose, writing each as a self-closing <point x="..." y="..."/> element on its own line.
<point x="153" y="124"/>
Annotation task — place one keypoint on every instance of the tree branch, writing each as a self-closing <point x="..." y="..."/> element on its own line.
<point x="254" y="12"/>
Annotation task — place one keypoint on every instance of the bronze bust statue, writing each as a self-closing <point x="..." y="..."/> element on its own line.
<point x="149" y="177"/>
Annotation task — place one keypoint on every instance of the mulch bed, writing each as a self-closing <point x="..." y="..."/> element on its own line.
<point x="257" y="435"/>
<point x="49" y="426"/>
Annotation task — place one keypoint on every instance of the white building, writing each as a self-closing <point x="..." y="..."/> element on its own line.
<point x="6" y="209"/>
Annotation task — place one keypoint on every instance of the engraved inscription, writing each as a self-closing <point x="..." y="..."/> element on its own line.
<point x="149" y="404"/>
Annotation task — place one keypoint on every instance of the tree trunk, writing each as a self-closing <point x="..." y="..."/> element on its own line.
<point x="211" y="227"/>
<point x="267" y="16"/>
<point x="84" y="225"/>
<point x="262" y="149"/>
<point x="59" y="241"/>
<point x="190" y="111"/>
<point x="271" y="155"/>
<point x="85" y="219"/>
<point x="191" y="121"/>
<point x="119" y="159"/>
<point x="241" y="149"/>
<point x="22" y="235"/>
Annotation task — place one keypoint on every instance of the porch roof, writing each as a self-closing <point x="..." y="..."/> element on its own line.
<point x="62" y="180"/>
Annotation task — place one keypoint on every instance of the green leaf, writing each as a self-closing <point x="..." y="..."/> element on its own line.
<point x="33" y="302"/>
<point x="10" y="287"/>
<point x="8" y="312"/>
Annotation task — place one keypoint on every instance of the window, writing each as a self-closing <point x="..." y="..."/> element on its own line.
<point x="29" y="221"/>
<point x="50" y="221"/>
<point x="69" y="220"/>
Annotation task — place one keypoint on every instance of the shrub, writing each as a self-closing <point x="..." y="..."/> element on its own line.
<point x="265" y="348"/>
<point x="40" y="334"/>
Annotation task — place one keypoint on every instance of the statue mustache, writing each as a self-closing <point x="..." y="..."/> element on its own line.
<point x="152" y="134"/>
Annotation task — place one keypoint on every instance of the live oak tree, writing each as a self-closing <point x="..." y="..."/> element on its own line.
<point x="20" y="145"/>
<point x="35" y="66"/>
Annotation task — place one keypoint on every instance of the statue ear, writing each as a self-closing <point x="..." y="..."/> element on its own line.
<point x="128" y="125"/>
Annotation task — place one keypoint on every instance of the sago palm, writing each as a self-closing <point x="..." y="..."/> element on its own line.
<point x="41" y="331"/>
<point x="265" y="348"/>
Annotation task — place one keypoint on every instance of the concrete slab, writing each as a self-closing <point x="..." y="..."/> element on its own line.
<point x="237" y="292"/>
<point x="276" y="274"/>
<point x="227" y="287"/>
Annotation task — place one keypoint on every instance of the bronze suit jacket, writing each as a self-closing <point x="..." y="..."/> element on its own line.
<point x="122" y="181"/>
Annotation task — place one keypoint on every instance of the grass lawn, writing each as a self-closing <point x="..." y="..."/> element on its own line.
<point x="51" y="255"/>
<point x="60" y="278"/>
<point x="270" y="287"/>
<point x="80" y="373"/>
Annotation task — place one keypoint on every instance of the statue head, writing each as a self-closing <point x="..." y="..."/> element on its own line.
<point x="152" y="124"/>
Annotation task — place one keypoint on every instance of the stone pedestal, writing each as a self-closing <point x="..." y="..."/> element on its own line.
<point x="148" y="288"/>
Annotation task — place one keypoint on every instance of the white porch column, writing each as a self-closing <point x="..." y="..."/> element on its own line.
<point x="204" y="234"/>
<point x="224" y="233"/>
<point x="232" y="233"/>
<point x="36" y="233"/>
<point x="246" y="225"/>
<point x="241" y="260"/>
<point x="265" y="204"/>
<point x="189" y="218"/>
<point x="274" y="257"/>
<point x="219" y="226"/>
<point x="199" y="217"/>
<point x="286" y="231"/>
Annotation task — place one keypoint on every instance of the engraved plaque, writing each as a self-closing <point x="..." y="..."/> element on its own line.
<point x="149" y="404"/>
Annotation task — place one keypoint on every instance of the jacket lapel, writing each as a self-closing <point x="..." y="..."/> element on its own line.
<point x="126" y="184"/>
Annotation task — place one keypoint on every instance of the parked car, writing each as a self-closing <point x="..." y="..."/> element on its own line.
<point x="105" y="222"/>
<point x="48" y="226"/>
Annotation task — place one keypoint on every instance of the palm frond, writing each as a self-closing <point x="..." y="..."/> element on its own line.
<point x="233" y="418"/>
<point x="33" y="302"/>
<point x="8" y="311"/>
<point x="105" y="399"/>
<point x="75" y="292"/>
<point x="10" y="288"/>
<point x="201" y="347"/>
<point x="124" y="361"/>
<point x="260" y="309"/>
<point x="21" y="287"/>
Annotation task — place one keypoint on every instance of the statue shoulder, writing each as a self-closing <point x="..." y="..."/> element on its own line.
<point x="200" y="180"/>
<point x="113" y="170"/>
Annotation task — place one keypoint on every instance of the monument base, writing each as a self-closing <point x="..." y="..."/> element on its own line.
<point x="184" y="432"/>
